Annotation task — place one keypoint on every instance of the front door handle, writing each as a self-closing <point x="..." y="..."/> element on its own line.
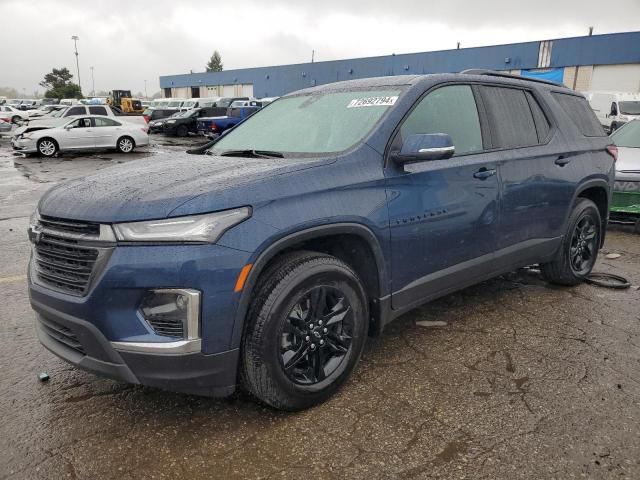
<point x="484" y="173"/>
<point x="562" y="160"/>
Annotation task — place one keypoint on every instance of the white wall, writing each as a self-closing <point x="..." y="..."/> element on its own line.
<point x="618" y="78"/>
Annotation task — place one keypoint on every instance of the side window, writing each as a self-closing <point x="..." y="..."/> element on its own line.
<point x="543" y="127"/>
<point x="578" y="110"/>
<point x="81" y="123"/>
<point x="97" y="110"/>
<point x="452" y="110"/>
<point x="75" y="111"/>
<point x="105" y="122"/>
<point x="510" y="117"/>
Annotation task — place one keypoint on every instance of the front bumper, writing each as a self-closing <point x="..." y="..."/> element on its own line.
<point x="626" y="196"/>
<point x="23" y="145"/>
<point x="80" y="343"/>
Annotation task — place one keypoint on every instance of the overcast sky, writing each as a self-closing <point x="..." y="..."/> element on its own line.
<point x="129" y="41"/>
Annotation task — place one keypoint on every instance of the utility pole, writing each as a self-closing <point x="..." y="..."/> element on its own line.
<point x="93" y="84"/>
<point x="145" y="89"/>
<point x="313" y="55"/>
<point x="75" y="39"/>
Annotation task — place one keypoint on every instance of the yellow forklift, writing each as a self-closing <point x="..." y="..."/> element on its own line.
<point x="124" y="101"/>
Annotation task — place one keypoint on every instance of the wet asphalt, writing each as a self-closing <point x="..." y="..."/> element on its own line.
<point x="518" y="379"/>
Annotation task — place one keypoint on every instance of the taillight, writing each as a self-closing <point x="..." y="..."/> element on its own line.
<point x="147" y="118"/>
<point x="213" y="126"/>
<point x="613" y="151"/>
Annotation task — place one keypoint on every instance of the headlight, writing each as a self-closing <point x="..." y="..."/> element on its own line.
<point x="206" y="228"/>
<point x="171" y="121"/>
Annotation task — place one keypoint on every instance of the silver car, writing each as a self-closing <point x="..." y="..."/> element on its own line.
<point x="86" y="132"/>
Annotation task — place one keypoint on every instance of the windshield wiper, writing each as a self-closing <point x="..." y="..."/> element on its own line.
<point x="252" y="153"/>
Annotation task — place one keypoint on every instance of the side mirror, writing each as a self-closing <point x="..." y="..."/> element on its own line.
<point x="68" y="127"/>
<point x="423" y="147"/>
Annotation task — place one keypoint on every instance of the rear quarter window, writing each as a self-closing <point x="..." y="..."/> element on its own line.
<point x="578" y="110"/>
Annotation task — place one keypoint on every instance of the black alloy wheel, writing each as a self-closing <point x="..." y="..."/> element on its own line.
<point x="317" y="335"/>
<point x="584" y="245"/>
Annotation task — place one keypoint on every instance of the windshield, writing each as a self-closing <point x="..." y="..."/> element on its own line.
<point x="628" y="135"/>
<point x="629" y="108"/>
<point x="58" y="113"/>
<point x="176" y="103"/>
<point x="189" y="104"/>
<point x="323" y="122"/>
<point x="224" y="103"/>
<point x="184" y="114"/>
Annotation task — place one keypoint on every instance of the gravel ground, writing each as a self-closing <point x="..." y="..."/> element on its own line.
<point x="516" y="379"/>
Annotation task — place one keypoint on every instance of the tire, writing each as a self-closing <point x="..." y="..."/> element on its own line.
<point x="47" y="147"/>
<point x="125" y="145"/>
<point x="182" y="131"/>
<point x="579" y="248"/>
<point x="291" y="360"/>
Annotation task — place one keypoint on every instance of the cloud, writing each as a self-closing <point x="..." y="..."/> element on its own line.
<point x="128" y="42"/>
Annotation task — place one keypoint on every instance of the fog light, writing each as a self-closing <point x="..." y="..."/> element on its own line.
<point x="173" y="312"/>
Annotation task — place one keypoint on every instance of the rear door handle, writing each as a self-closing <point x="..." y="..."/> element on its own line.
<point x="562" y="160"/>
<point x="484" y="173"/>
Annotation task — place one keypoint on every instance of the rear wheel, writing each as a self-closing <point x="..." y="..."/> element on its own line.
<point x="579" y="249"/>
<point x="125" y="145"/>
<point x="47" y="147"/>
<point x="306" y="330"/>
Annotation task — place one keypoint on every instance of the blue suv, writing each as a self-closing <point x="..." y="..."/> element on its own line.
<point x="268" y="260"/>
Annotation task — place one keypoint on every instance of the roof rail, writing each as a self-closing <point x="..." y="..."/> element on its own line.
<point x="494" y="73"/>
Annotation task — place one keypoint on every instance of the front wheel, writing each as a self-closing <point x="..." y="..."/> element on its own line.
<point x="306" y="329"/>
<point x="579" y="249"/>
<point x="47" y="147"/>
<point x="125" y="145"/>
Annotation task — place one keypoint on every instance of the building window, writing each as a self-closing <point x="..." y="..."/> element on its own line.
<point x="544" y="54"/>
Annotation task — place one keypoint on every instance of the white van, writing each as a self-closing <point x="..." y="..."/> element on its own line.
<point x="199" y="102"/>
<point x="614" y="109"/>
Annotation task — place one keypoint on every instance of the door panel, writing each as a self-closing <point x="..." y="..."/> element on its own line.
<point x="78" y="136"/>
<point x="443" y="214"/>
<point x="442" y="219"/>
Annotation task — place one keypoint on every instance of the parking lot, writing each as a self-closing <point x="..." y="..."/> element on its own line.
<point x="511" y="378"/>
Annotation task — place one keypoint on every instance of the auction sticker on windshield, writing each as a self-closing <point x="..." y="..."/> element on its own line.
<point x="372" y="102"/>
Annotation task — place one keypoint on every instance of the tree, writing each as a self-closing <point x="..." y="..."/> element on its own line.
<point x="59" y="85"/>
<point x="215" y="62"/>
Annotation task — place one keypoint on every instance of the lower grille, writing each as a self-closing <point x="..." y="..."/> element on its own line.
<point x="167" y="327"/>
<point x="62" y="334"/>
<point x="63" y="264"/>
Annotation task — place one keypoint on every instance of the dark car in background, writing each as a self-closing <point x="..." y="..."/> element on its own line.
<point x="268" y="261"/>
<point x="237" y="112"/>
<point x="185" y="122"/>
<point x="151" y="114"/>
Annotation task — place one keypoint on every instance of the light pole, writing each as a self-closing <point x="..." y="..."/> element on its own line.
<point x="75" y="39"/>
<point x="145" y="90"/>
<point x="93" y="84"/>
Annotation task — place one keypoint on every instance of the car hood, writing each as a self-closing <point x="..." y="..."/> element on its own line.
<point x="155" y="187"/>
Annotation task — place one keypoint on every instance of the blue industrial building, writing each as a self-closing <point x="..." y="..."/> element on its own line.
<point x="598" y="62"/>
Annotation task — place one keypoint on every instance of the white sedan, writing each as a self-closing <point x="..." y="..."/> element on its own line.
<point x="85" y="132"/>
<point x="13" y="114"/>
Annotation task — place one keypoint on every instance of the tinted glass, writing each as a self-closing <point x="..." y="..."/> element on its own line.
<point x="510" y="117"/>
<point x="105" y="122"/>
<point x="630" y="107"/>
<point x="581" y="114"/>
<point x="75" y="111"/>
<point x="322" y="122"/>
<point x="628" y="135"/>
<point x="97" y="110"/>
<point x="450" y="110"/>
<point x="542" y="122"/>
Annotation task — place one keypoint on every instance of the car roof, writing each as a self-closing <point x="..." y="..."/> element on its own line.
<point x="484" y="76"/>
